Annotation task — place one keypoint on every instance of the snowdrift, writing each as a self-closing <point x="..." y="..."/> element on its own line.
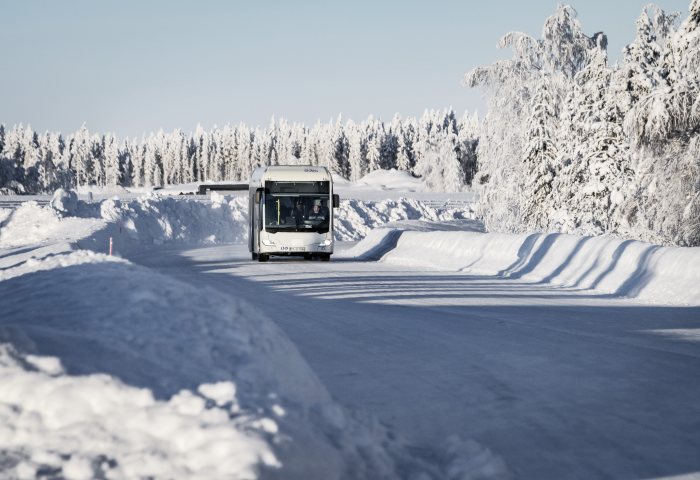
<point x="356" y="218"/>
<point x="115" y="371"/>
<point x="154" y="220"/>
<point x="626" y="268"/>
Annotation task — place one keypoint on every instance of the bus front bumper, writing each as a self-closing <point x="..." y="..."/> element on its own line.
<point x="279" y="246"/>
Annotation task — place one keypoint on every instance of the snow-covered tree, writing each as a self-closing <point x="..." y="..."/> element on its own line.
<point x="541" y="154"/>
<point x="593" y="182"/>
<point x="111" y="156"/>
<point x="440" y="167"/>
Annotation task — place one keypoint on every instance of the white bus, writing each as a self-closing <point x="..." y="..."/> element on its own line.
<point x="291" y="212"/>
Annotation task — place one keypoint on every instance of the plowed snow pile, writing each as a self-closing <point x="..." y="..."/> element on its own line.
<point x="625" y="268"/>
<point x="115" y="371"/>
<point x="153" y="220"/>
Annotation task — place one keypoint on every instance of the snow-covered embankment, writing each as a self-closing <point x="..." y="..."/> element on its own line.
<point x="625" y="268"/>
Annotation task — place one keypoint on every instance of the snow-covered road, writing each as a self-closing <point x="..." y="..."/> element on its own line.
<point x="558" y="383"/>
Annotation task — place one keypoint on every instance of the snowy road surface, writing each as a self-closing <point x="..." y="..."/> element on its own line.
<point x="559" y="384"/>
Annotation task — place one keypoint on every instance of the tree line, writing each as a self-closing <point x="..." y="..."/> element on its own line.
<point x="440" y="146"/>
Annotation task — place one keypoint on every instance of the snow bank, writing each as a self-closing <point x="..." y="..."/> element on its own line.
<point x="385" y="180"/>
<point x="357" y="218"/>
<point x="395" y="184"/>
<point x="154" y="220"/>
<point x="32" y="224"/>
<point x="149" y="220"/>
<point x="620" y="267"/>
<point x="159" y="220"/>
<point x="94" y="426"/>
<point x="116" y="371"/>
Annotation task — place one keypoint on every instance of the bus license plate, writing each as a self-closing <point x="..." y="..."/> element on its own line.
<point x="293" y="249"/>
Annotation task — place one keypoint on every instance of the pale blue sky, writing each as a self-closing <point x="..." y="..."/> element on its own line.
<point x="136" y="66"/>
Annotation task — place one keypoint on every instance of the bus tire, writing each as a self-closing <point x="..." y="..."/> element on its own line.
<point x="326" y="257"/>
<point x="307" y="256"/>
<point x="254" y="256"/>
<point x="263" y="257"/>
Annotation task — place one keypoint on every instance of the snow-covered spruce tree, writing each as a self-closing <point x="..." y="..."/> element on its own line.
<point x="643" y="61"/>
<point x="111" y="156"/>
<point x="373" y="153"/>
<point x="341" y="151"/>
<point x="310" y="150"/>
<point x="468" y="137"/>
<point x="177" y="158"/>
<point x="597" y="171"/>
<point x="440" y="167"/>
<point x="126" y="164"/>
<point x="51" y="176"/>
<point x="357" y="152"/>
<point x="665" y="126"/>
<point x="11" y="171"/>
<point x="388" y="150"/>
<point x="405" y="157"/>
<point x="540" y="156"/>
<point x="82" y="157"/>
<point x="273" y="134"/>
<point x="245" y="147"/>
<point x="152" y="164"/>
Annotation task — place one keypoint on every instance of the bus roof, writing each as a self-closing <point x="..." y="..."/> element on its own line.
<point x="291" y="173"/>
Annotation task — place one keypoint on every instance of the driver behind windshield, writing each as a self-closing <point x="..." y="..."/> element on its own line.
<point x="317" y="212"/>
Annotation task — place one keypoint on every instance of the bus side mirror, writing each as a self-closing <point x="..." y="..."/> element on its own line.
<point x="258" y="196"/>
<point x="336" y="200"/>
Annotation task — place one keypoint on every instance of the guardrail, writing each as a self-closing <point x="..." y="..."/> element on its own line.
<point x="14" y="201"/>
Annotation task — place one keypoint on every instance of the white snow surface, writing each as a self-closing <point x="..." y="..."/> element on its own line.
<point x="115" y="371"/>
<point x="394" y="184"/>
<point x="111" y="370"/>
<point x="626" y="268"/>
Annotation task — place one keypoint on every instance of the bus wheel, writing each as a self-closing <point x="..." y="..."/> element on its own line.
<point x="254" y="256"/>
<point x="307" y="256"/>
<point x="326" y="257"/>
<point x="263" y="257"/>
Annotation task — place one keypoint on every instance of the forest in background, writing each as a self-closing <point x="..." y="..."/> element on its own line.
<point x="439" y="147"/>
<point x="570" y="142"/>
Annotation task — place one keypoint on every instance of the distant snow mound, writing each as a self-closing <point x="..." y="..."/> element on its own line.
<point x="357" y="218"/>
<point x="154" y="220"/>
<point x="32" y="224"/>
<point x="392" y="180"/>
<point x="64" y="201"/>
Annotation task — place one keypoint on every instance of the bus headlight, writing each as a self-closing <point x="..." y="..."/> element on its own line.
<point x="326" y="243"/>
<point x="267" y="243"/>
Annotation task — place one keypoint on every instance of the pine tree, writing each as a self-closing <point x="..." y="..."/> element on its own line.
<point x="373" y="153"/>
<point x="599" y="173"/>
<point x="111" y="155"/>
<point x="541" y="154"/>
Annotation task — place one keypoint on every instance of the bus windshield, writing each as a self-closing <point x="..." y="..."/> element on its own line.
<point x="297" y="207"/>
